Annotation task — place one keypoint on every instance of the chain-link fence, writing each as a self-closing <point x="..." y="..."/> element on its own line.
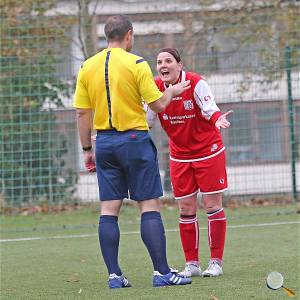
<point x="248" y="53"/>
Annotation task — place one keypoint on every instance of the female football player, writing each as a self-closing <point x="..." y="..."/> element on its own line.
<point x="192" y="122"/>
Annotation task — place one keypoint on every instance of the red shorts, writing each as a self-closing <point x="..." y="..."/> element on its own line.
<point x="208" y="175"/>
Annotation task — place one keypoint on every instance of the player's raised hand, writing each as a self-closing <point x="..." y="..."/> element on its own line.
<point x="222" y="122"/>
<point x="180" y="87"/>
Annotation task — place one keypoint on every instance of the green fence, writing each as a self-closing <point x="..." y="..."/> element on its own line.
<point x="249" y="56"/>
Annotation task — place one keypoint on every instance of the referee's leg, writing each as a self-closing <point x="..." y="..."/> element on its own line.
<point x="109" y="235"/>
<point x="153" y="234"/>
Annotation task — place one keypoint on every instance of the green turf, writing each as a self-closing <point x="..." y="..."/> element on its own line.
<point x="60" y="268"/>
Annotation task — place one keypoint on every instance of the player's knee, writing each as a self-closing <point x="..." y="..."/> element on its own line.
<point x="212" y="208"/>
<point x="187" y="210"/>
<point x="188" y="206"/>
<point x="212" y="202"/>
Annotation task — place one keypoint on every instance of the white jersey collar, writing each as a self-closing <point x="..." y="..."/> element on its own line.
<point x="183" y="76"/>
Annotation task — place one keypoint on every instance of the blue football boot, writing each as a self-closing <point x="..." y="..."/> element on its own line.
<point x="172" y="278"/>
<point x="117" y="282"/>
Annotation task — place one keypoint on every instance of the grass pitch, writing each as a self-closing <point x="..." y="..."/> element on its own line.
<point x="64" y="261"/>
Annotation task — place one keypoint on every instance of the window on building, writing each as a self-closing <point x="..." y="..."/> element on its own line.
<point x="257" y="134"/>
<point x="240" y="136"/>
<point x="270" y="134"/>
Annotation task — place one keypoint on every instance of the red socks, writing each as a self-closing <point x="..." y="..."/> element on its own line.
<point x="189" y="234"/>
<point x="216" y="234"/>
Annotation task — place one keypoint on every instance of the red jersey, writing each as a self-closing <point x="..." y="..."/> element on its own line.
<point x="189" y="121"/>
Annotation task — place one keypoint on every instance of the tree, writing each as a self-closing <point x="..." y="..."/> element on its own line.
<point x="32" y="151"/>
<point x="85" y="18"/>
<point x="261" y="28"/>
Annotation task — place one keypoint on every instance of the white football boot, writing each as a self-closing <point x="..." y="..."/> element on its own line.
<point x="190" y="270"/>
<point x="214" y="269"/>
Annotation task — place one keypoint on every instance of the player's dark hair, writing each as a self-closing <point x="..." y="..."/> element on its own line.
<point x="173" y="51"/>
<point x="116" y="27"/>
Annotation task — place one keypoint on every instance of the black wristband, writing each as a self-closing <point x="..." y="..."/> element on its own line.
<point x="87" y="148"/>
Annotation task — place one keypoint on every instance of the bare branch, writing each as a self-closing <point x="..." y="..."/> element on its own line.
<point x="96" y="6"/>
<point x="80" y="35"/>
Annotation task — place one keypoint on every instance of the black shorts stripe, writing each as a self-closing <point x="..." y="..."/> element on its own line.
<point x="139" y="61"/>
<point x="107" y="89"/>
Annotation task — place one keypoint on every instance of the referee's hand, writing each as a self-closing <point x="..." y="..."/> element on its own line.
<point x="179" y="87"/>
<point x="89" y="161"/>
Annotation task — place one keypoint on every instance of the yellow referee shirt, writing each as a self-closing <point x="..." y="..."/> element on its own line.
<point x="115" y="83"/>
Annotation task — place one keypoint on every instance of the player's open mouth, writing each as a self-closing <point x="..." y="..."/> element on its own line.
<point x="165" y="73"/>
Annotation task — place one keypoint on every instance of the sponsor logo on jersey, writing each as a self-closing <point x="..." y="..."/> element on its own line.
<point x="177" y="119"/>
<point x="222" y="181"/>
<point x="214" y="147"/>
<point x="188" y="104"/>
<point x="176" y="98"/>
<point x="206" y="98"/>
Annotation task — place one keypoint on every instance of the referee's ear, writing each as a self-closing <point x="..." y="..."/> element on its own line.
<point x="129" y="39"/>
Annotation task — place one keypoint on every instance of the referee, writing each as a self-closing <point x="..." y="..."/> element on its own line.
<point x="112" y="88"/>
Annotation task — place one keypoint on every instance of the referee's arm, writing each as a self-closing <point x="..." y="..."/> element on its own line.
<point x="84" y="112"/>
<point x="149" y="91"/>
<point x="172" y="91"/>
<point x="84" y="123"/>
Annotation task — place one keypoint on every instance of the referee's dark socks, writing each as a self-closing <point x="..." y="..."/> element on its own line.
<point x="109" y="238"/>
<point x="153" y="236"/>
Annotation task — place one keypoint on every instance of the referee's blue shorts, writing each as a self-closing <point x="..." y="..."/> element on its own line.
<point x="127" y="166"/>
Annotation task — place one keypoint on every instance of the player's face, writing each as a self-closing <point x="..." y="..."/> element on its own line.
<point x="168" y="68"/>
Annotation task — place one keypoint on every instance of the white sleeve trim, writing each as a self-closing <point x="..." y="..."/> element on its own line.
<point x="151" y="116"/>
<point x="205" y="99"/>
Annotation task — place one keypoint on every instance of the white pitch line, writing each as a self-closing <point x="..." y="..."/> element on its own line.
<point x="137" y="232"/>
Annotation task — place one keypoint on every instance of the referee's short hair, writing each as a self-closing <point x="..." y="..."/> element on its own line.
<point x="116" y="27"/>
